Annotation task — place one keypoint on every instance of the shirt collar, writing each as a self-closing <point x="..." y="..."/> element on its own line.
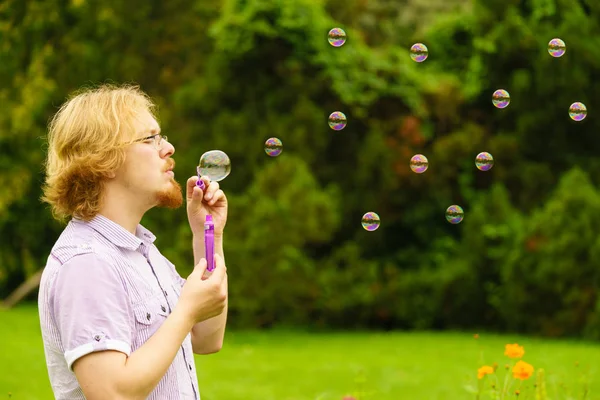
<point x="118" y="235"/>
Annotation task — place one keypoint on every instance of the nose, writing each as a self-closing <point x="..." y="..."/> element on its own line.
<point x="167" y="149"/>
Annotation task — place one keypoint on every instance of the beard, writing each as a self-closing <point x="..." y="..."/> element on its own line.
<point x="172" y="197"/>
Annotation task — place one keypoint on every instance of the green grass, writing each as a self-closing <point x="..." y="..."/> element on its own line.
<point x="286" y="365"/>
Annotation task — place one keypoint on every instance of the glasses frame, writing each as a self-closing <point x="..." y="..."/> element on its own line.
<point x="158" y="140"/>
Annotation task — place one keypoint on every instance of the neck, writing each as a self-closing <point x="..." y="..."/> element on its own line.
<point x="123" y="210"/>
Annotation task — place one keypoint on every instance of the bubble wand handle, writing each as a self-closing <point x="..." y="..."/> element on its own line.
<point x="209" y="243"/>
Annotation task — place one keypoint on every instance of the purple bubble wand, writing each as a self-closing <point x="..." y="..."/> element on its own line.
<point x="210" y="160"/>
<point x="209" y="234"/>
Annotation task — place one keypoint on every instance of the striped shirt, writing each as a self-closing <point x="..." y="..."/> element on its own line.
<point x="104" y="288"/>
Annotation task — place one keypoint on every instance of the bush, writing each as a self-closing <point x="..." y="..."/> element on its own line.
<point x="549" y="278"/>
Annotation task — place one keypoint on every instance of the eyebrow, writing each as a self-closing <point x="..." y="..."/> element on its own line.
<point x="154" y="131"/>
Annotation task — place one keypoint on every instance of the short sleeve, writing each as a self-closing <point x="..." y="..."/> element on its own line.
<point x="91" y="308"/>
<point x="176" y="277"/>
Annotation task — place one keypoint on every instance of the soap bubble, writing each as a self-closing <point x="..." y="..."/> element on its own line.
<point x="419" y="52"/>
<point x="336" y="37"/>
<point x="578" y="111"/>
<point x="419" y="163"/>
<point x="484" y="161"/>
<point x="273" y="147"/>
<point x="556" y="47"/>
<point x="455" y="214"/>
<point x="215" y="164"/>
<point x="337" y="121"/>
<point x="501" y="98"/>
<point x="370" y="221"/>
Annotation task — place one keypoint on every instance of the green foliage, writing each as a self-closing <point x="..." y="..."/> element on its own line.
<point x="284" y="210"/>
<point x="231" y="74"/>
<point x="549" y="279"/>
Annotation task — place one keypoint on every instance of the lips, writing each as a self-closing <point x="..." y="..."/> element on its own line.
<point x="171" y="166"/>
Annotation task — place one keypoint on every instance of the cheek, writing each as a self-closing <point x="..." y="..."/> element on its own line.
<point x="144" y="165"/>
<point x="141" y="174"/>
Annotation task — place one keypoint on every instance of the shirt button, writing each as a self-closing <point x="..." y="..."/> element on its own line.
<point x="190" y="367"/>
<point x="97" y="338"/>
<point x="163" y="308"/>
<point x="148" y="316"/>
<point x="166" y="294"/>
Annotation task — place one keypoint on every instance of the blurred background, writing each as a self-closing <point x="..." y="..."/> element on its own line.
<point x="230" y="74"/>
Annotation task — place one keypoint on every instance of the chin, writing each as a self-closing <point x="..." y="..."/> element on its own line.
<point x="171" y="197"/>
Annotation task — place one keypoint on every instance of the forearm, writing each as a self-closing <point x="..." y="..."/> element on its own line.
<point x="146" y="366"/>
<point x="207" y="336"/>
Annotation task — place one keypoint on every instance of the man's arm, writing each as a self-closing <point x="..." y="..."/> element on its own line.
<point x="207" y="336"/>
<point x="136" y="376"/>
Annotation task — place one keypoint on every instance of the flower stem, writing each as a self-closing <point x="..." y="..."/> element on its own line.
<point x="504" y="388"/>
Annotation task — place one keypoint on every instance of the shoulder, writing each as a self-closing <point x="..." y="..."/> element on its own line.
<point x="76" y="240"/>
<point x="79" y="256"/>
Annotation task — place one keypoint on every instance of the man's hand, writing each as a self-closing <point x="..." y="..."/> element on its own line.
<point x="200" y="203"/>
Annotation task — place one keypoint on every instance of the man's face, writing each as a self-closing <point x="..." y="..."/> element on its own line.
<point x="144" y="172"/>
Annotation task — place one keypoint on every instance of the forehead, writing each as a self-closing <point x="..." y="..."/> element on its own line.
<point x="146" y="124"/>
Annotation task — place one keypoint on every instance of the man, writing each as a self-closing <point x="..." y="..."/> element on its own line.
<point x="118" y="322"/>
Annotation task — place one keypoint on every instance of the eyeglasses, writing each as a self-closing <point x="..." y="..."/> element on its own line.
<point x="157" y="139"/>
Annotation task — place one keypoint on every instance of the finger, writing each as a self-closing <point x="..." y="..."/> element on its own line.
<point x="219" y="195"/>
<point x="191" y="190"/>
<point x="211" y="190"/>
<point x="206" y="181"/>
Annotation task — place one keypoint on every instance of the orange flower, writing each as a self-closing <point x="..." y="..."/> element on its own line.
<point x="483" y="371"/>
<point x="522" y="370"/>
<point x="514" y="351"/>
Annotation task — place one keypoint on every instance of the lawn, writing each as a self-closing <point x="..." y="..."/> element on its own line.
<point x="296" y="365"/>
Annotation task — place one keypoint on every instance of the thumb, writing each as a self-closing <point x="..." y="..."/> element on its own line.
<point x="200" y="267"/>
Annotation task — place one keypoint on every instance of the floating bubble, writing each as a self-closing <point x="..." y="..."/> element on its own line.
<point x="336" y="37"/>
<point x="484" y="161"/>
<point x="501" y="98"/>
<point x="273" y="147"/>
<point x="578" y="111"/>
<point x="557" y="48"/>
<point x="455" y="214"/>
<point x="370" y="221"/>
<point x="215" y="164"/>
<point x="337" y="121"/>
<point x="419" y="163"/>
<point x="419" y="52"/>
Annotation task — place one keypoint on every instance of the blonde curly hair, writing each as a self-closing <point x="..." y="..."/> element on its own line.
<point x="87" y="139"/>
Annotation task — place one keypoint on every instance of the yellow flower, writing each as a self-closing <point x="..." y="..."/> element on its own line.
<point x="522" y="370"/>
<point x="514" y="351"/>
<point x="483" y="371"/>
